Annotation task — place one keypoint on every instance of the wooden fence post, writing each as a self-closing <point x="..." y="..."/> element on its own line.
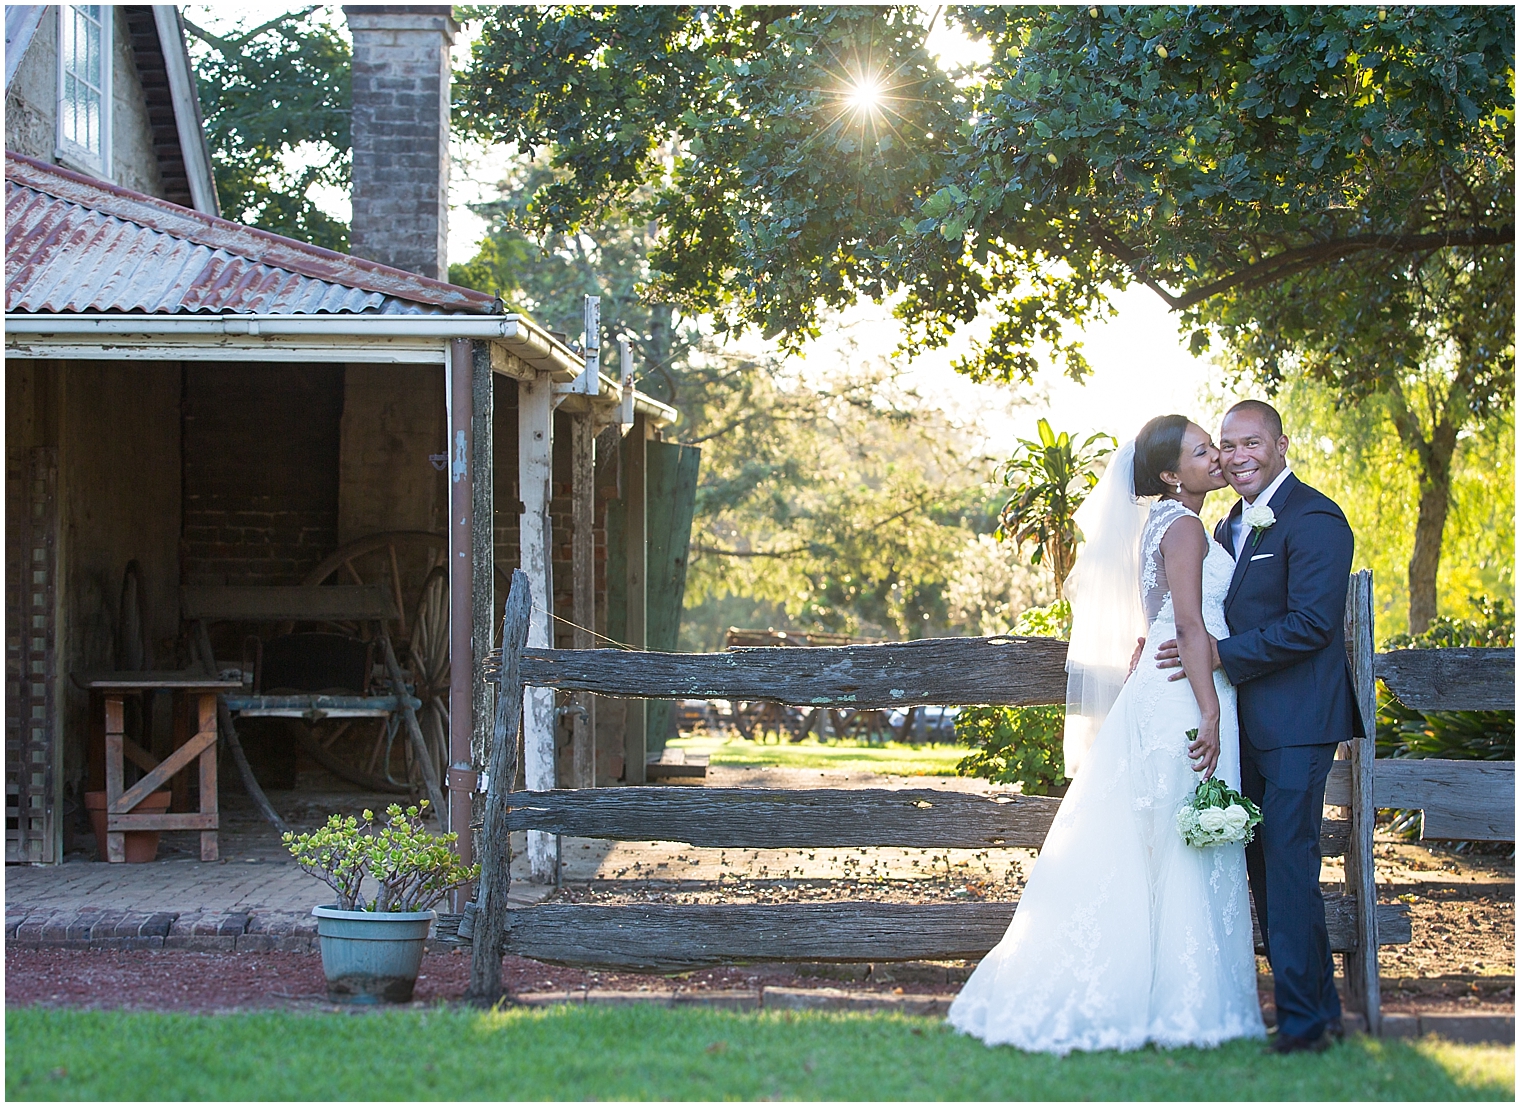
<point x="583" y="574"/>
<point x="490" y="924"/>
<point x="1361" y="882"/>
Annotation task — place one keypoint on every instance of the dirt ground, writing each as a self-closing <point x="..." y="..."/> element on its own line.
<point x="1461" y="960"/>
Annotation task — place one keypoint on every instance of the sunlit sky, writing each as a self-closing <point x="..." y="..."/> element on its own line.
<point x="1140" y="365"/>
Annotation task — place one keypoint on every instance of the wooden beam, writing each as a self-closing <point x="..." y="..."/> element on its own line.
<point x="210" y="800"/>
<point x="952" y="671"/>
<point x="501" y="765"/>
<point x="535" y="443"/>
<point x="1361" y="959"/>
<point x="116" y="849"/>
<point x="679" y="937"/>
<point x="635" y="530"/>
<point x="781" y="818"/>
<point x="463" y="463"/>
<point x="583" y="587"/>
<point x="464" y="761"/>
<point x="1471" y="800"/>
<point x="161" y="773"/>
<point x="1450" y="679"/>
<point x="189" y="820"/>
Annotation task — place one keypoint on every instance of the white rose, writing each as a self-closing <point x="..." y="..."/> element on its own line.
<point x="1211" y="819"/>
<point x="1235" y="818"/>
<point x="1259" y="517"/>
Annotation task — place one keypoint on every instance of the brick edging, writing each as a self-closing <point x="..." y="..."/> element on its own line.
<point x="207" y="932"/>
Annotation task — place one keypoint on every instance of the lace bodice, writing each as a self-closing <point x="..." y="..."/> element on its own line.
<point x="1156" y="593"/>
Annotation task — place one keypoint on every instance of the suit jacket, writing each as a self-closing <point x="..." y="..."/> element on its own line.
<point x="1286" y="609"/>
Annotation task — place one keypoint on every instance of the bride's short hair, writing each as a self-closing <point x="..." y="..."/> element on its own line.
<point x="1158" y="447"/>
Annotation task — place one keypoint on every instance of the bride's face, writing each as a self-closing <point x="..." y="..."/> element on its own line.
<point x="1198" y="466"/>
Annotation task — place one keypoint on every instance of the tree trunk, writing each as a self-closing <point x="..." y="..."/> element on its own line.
<point x="1435" y="502"/>
<point x="1434" y="455"/>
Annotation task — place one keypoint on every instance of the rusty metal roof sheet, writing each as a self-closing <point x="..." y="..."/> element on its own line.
<point x="73" y="244"/>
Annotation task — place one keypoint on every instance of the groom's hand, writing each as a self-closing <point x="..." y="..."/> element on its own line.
<point x="1169" y="657"/>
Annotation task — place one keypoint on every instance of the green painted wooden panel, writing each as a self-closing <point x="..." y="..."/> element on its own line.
<point x="672" y="498"/>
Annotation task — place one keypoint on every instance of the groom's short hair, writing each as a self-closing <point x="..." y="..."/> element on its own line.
<point x="1263" y="409"/>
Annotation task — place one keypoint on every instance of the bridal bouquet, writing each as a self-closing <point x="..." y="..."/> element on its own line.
<point x="1217" y="814"/>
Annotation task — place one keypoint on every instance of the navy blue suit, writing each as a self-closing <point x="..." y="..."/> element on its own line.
<point x="1286" y="657"/>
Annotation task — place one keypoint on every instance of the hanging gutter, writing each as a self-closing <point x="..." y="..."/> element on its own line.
<point x="328" y="337"/>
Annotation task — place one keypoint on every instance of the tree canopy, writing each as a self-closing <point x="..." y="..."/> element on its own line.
<point x="1326" y="191"/>
<point x="276" y="99"/>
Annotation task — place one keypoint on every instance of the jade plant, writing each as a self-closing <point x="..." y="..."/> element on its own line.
<point x="412" y="868"/>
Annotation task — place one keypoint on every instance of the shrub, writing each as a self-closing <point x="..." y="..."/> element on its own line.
<point x="1019" y="745"/>
<point x="412" y="868"/>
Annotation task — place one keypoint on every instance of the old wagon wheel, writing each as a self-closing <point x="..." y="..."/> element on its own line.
<point x="412" y="565"/>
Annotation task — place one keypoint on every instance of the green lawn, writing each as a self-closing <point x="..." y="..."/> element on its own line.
<point x="899" y="758"/>
<point x="662" y="1053"/>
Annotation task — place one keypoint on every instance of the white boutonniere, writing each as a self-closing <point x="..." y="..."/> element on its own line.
<point x="1258" y="518"/>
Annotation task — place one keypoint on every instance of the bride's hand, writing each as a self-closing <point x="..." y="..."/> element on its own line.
<point x="1204" y="750"/>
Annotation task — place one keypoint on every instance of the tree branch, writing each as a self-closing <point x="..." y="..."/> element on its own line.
<point x="1285" y="264"/>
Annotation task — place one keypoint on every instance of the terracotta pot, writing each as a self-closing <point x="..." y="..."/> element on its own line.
<point x="140" y="845"/>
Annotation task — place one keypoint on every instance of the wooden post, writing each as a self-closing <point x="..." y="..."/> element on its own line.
<point x="463" y="762"/>
<point x="462" y="464"/>
<point x="635" y="735"/>
<point x="583" y="574"/>
<point x="490" y="927"/>
<point x="535" y="441"/>
<point x="1361" y="883"/>
<point x="206" y="720"/>
<point x="116" y="848"/>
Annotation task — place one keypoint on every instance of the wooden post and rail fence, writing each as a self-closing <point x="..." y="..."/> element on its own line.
<point x="1461" y="799"/>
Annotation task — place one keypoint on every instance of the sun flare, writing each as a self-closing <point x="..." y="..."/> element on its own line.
<point x="865" y="94"/>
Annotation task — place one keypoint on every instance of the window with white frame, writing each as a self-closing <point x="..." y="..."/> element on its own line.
<point x="84" y="85"/>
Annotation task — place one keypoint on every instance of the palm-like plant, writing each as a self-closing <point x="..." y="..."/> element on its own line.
<point x="1050" y="479"/>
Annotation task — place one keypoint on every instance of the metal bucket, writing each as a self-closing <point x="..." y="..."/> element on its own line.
<point x="371" y="956"/>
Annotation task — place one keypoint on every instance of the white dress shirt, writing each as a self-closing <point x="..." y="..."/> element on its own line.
<point x="1238" y="523"/>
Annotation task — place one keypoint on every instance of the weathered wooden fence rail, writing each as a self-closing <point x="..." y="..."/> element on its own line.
<point x="1460" y="799"/>
<point x="776" y="818"/>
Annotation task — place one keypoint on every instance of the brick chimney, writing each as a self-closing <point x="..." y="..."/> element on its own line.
<point x="401" y="135"/>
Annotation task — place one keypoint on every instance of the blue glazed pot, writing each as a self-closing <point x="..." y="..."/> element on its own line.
<point x="371" y="956"/>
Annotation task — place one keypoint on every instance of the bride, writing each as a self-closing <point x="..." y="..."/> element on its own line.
<point x="1125" y="934"/>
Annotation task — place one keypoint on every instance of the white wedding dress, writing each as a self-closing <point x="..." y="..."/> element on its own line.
<point x="1125" y="934"/>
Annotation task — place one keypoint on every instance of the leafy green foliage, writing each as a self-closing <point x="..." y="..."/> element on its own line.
<point x="850" y="506"/>
<point x="412" y="868"/>
<point x="276" y="101"/>
<point x="1494" y="628"/>
<point x="1019" y="745"/>
<point x="1050" y="478"/>
<point x="778" y="191"/>
<point x="1325" y="192"/>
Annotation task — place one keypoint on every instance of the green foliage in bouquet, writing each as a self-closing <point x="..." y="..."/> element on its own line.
<point x="1452" y="735"/>
<point x="1019" y="745"/>
<point x="413" y="869"/>
<point x="1217" y="813"/>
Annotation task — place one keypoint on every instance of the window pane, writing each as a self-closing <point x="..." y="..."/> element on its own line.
<point x="81" y="112"/>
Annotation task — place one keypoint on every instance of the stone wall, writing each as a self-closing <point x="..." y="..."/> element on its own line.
<point x="31" y="109"/>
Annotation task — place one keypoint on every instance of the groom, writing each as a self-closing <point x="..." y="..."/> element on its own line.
<point x="1286" y="656"/>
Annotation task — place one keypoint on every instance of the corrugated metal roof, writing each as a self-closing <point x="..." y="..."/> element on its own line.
<point x="73" y="244"/>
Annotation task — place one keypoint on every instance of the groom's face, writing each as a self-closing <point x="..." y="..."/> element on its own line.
<point x="1251" y="455"/>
